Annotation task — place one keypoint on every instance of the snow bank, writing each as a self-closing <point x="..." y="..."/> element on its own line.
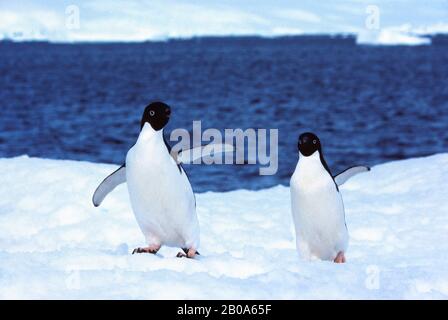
<point x="55" y="244"/>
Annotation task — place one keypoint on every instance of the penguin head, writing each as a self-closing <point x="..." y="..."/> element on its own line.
<point x="157" y="114"/>
<point x="308" y="144"/>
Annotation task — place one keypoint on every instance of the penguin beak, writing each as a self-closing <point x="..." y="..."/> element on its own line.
<point x="167" y="112"/>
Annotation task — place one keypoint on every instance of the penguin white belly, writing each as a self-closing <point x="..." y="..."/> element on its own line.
<point x="318" y="211"/>
<point x="161" y="197"/>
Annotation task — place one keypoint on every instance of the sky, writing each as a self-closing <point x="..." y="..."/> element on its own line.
<point x="139" y="20"/>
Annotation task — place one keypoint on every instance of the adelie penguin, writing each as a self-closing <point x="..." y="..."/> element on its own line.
<point x="159" y="190"/>
<point x="316" y="203"/>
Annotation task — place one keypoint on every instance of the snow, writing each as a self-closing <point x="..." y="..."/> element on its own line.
<point x="391" y="36"/>
<point x="55" y="244"/>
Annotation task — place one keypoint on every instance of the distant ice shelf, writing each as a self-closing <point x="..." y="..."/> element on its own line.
<point x="402" y="36"/>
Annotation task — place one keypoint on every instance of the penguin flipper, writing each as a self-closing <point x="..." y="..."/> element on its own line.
<point x="345" y="175"/>
<point x="190" y="155"/>
<point x="114" y="179"/>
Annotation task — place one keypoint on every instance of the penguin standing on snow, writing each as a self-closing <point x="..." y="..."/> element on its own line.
<point x="316" y="203"/>
<point x="159" y="190"/>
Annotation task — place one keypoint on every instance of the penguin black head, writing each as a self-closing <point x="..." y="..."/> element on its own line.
<point x="308" y="144"/>
<point x="157" y="114"/>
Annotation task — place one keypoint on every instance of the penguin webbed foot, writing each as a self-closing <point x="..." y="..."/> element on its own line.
<point x="187" y="253"/>
<point x="340" y="258"/>
<point x="145" y="250"/>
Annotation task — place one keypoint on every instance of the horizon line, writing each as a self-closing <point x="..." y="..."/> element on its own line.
<point x="187" y="38"/>
<point x="329" y="36"/>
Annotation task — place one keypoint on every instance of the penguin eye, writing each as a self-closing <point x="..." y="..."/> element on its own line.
<point x="151" y="113"/>
<point x="314" y="141"/>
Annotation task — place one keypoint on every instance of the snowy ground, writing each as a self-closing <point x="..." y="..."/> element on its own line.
<point x="55" y="244"/>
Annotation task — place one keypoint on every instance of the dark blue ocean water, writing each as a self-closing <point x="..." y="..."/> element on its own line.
<point x="368" y="104"/>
